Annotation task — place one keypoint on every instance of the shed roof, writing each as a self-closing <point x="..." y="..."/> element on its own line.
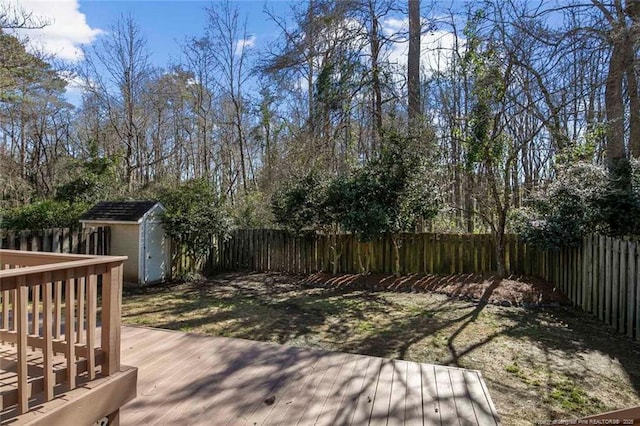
<point x="118" y="211"/>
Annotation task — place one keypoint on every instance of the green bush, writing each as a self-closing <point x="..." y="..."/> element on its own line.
<point x="618" y="205"/>
<point x="583" y="198"/>
<point x="43" y="215"/>
<point x="252" y="211"/>
<point x="194" y="215"/>
<point x="390" y="193"/>
<point x="297" y="205"/>
<point x="95" y="181"/>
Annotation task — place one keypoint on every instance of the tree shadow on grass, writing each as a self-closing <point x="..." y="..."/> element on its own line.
<point x="576" y="333"/>
<point x="240" y="310"/>
<point x="397" y="337"/>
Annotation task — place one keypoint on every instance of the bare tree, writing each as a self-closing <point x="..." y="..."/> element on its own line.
<point x="13" y="17"/>
<point x="413" y="63"/>
<point x="116" y="72"/>
<point x="231" y="44"/>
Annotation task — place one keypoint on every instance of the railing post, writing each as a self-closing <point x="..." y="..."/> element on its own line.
<point x="21" y="313"/>
<point x="111" y="300"/>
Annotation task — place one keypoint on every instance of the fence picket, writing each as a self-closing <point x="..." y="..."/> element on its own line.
<point x="634" y="277"/>
<point x="615" y="279"/>
<point x="631" y="287"/>
<point x="622" y="317"/>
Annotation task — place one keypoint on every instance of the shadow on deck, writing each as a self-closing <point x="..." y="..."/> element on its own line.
<point x="214" y="380"/>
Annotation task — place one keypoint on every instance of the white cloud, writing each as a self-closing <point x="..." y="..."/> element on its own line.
<point x="67" y="31"/>
<point x="393" y="26"/>
<point x="246" y="43"/>
<point x="76" y="86"/>
<point x="436" y="47"/>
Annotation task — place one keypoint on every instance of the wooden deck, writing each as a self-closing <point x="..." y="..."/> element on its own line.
<point x="192" y="379"/>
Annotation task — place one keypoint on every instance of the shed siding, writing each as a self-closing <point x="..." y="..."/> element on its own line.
<point x="124" y="242"/>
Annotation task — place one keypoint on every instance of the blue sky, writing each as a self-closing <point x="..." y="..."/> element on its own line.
<point x="77" y="24"/>
<point x="164" y="23"/>
<point x="167" y="23"/>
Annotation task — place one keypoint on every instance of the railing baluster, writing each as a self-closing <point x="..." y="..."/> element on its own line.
<point x="12" y="310"/>
<point x="92" y="291"/>
<point x="35" y="310"/>
<point x="20" y="310"/>
<point x="80" y="315"/>
<point x="5" y="310"/>
<point x="69" y="329"/>
<point x="57" y="318"/>
<point x="47" y="350"/>
<point x="4" y="295"/>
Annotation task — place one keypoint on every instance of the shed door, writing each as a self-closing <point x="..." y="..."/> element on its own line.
<point x="155" y="253"/>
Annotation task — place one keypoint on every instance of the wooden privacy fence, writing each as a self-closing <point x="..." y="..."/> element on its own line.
<point x="281" y="251"/>
<point x="602" y="277"/>
<point x="94" y="240"/>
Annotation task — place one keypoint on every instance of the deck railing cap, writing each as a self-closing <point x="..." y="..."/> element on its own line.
<point x="64" y="261"/>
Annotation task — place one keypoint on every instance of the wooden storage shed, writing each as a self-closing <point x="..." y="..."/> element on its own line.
<point x="137" y="232"/>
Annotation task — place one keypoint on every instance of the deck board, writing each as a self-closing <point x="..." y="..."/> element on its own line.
<point x="414" y="414"/>
<point x="363" y="406"/>
<point x="339" y="390"/>
<point x="194" y="379"/>
<point x="398" y="396"/>
<point x="290" y="406"/>
<point x="276" y="412"/>
<point x="464" y="406"/>
<point x="382" y="396"/>
<point x="446" y="398"/>
<point x="430" y="402"/>
<point x="322" y="392"/>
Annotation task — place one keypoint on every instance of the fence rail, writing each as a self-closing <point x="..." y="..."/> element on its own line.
<point x="93" y="240"/>
<point x="281" y="251"/>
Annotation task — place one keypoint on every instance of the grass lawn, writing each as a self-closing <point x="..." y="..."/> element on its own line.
<point x="539" y="364"/>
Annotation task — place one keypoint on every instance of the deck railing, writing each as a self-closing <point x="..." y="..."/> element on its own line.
<point x="49" y="320"/>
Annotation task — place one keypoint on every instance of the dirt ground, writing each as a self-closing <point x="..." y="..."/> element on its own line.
<point x="542" y="363"/>
<point x="511" y="291"/>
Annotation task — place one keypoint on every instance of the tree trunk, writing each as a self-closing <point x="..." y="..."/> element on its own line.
<point x="375" y="77"/>
<point x="413" y="64"/>
<point x="634" y="104"/>
<point x="310" y="36"/>
<point x="632" y="9"/>
<point x="333" y="241"/>
<point x="614" y="105"/>
<point x="468" y="203"/>
<point x="364" y="266"/>
<point x="500" y="253"/>
<point x="396" y="255"/>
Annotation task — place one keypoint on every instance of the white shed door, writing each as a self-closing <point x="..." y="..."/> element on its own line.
<point x="155" y="253"/>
